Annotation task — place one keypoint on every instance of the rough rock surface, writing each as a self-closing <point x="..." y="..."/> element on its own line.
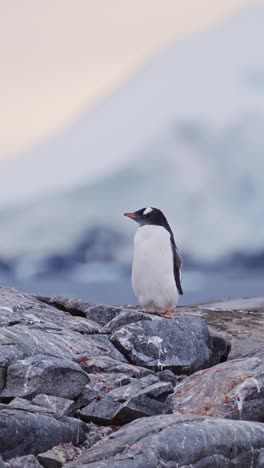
<point x="241" y="321"/>
<point x="234" y="389"/>
<point x="144" y="397"/>
<point x="44" y="374"/>
<point x="28" y="461"/>
<point x="58" y="405"/>
<point x="183" y="345"/>
<point x="177" y="441"/>
<point x="72" y="372"/>
<point x="23" y="432"/>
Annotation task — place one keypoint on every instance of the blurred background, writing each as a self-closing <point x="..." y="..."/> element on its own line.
<point x="111" y="106"/>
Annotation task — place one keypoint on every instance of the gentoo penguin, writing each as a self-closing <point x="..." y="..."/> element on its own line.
<point x="156" y="271"/>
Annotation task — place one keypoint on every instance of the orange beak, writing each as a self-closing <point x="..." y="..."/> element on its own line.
<point x="130" y="215"/>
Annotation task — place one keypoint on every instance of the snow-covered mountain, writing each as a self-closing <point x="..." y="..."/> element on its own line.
<point x="208" y="182"/>
<point x="190" y="129"/>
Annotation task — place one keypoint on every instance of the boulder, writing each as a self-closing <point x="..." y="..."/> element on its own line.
<point x="44" y="374"/>
<point x="24" y="433"/>
<point x="59" y="406"/>
<point x="28" y="461"/>
<point x="182" y="345"/>
<point x="144" y="397"/>
<point x="125" y="317"/>
<point x="234" y="390"/>
<point x="63" y="453"/>
<point x="106" y="364"/>
<point x="177" y="441"/>
<point x="240" y="321"/>
<point x="26" y="405"/>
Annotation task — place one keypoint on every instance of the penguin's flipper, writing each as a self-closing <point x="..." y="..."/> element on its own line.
<point x="177" y="264"/>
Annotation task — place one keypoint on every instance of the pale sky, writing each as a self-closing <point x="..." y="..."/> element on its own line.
<point x="58" y="57"/>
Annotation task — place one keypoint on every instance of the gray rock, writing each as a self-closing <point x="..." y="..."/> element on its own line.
<point x="23" y="404"/>
<point x="101" y="314"/>
<point x="221" y="349"/>
<point x="23" y="433"/>
<point x="2" y="464"/>
<point x="107" y="364"/>
<point x="182" y="345"/>
<point x="28" y="461"/>
<point x="2" y="375"/>
<point x="106" y="382"/>
<point x="241" y="321"/>
<point x="20" y="341"/>
<point x="102" y="410"/>
<point x="100" y="384"/>
<point x="17" y="308"/>
<point x="260" y="460"/>
<point x="234" y="390"/>
<point x="168" y="376"/>
<point x="144" y="397"/>
<point x="58" y="456"/>
<point x="127" y="391"/>
<point x="88" y="394"/>
<point x="126" y="317"/>
<point x="63" y="453"/>
<point x="31" y="327"/>
<point x="44" y="374"/>
<point x="59" y="406"/>
<point x="175" y="440"/>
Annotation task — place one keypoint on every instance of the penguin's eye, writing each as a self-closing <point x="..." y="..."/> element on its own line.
<point x="147" y="211"/>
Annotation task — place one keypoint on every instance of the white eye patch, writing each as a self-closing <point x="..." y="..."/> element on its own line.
<point x="147" y="210"/>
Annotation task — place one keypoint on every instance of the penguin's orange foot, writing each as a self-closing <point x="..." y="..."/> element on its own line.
<point x="167" y="314"/>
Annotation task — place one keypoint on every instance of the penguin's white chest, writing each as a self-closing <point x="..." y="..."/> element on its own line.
<point x="152" y="273"/>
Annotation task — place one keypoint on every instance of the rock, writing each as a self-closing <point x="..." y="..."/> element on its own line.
<point x="234" y="389"/>
<point x="58" y="456"/>
<point x="107" y="364"/>
<point x="59" y="406"/>
<point x="88" y="394"/>
<point x="240" y="321"/>
<point x="144" y="397"/>
<point x="106" y="382"/>
<point x="182" y="345"/>
<point x="168" y="376"/>
<point x="102" y="314"/>
<point x="177" y="440"/>
<point x="31" y="327"/>
<point x="44" y="374"/>
<point x="17" y="308"/>
<point x="48" y="346"/>
<point x="2" y="464"/>
<point x="2" y="375"/>
<point x="28" y="461"/>
<point x="23" y="404"/>
<point x="260" y="460"/>
<point x="101" y="411"/>
<point x="63" y="453"/>
<point x="221" y="349"/>
<point x="23" y="433"/>
<point x="126" y="317"/>
<point x="102" y="346"/>
<point x="97" y="313"/>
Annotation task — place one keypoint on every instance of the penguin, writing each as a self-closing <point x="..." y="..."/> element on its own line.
<point x="156" y="270"/>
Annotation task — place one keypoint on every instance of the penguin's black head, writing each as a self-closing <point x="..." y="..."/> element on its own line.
<point x="149" y="215"/>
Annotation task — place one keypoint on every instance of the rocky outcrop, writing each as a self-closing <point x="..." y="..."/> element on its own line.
<point x="176" y="440"/>
<point x="24" y="432"/>
<point x="183" y="345"/>
<point x="234" y="389"/>
<point x="72" y="373"/>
